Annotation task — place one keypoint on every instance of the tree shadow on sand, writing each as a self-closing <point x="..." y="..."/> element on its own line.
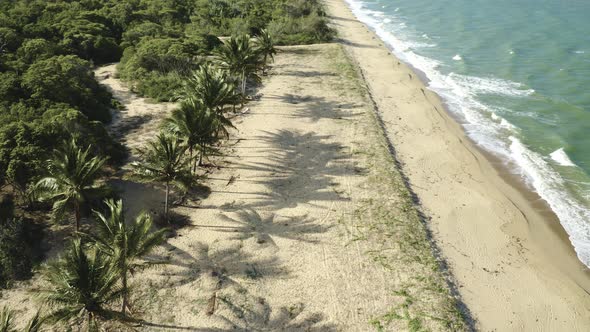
<point x="251" y="224"/>
<point x="317" y="108"/>
<point x="250" y="313"/>
<point x="301" y="170"/>
<point x="224" y="264"/>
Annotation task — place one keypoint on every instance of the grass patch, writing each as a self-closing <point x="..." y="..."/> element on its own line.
<point x="388" y="220"/>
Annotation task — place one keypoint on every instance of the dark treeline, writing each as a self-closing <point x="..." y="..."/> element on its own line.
<point x="56" y="154"/>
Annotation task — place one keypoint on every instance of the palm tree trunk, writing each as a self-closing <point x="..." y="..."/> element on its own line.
<point x="124" y="282"/>
<point x="166" y="202"/>
<point x="264" y="64"/>
<point x="190" y="151"/>
<point x="201" y="153"/>
<point x="89" y="327"/>
<point x="244" y="83"/>
<point x="77" y="215"/>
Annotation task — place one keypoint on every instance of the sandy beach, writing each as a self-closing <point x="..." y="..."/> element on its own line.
<point x="512" y="262"/>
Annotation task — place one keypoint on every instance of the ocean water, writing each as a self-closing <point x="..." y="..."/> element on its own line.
<point x="516" y="73"/>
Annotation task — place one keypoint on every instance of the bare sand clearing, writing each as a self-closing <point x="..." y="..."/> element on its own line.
<point x="513" y="267"/>
<point x="306" y="226"/>
<point x="287" y="239"/>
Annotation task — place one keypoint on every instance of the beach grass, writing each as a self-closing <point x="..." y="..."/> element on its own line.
<point x="389" y="218"/>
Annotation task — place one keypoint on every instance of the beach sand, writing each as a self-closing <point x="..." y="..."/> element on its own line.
<point x="511" y="260"/>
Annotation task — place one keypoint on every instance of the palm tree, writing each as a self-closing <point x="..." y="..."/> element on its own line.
<point x="163" y="161"/>
<point x="72" y="179"/>
<point x="198" y="127"/>
<point x="211" y="87"/>
<point x="240" y="58"/>
<point x="6" y="323"/>
<point x="126" y="243"/>
<point x="266" y="47"/>
<point x="82" y="285"/>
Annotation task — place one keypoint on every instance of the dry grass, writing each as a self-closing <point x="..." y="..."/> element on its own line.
<point x="388" y="218"/>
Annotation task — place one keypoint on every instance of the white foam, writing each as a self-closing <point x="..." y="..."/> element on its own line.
<point x="397" y="9"/>
<point x="489" y="85"/>
<point x="489" y="130"/>
<point x="457" y="57"/>
<point x="561" y="157"/>
<point x="579" y="52"/>
<point x="387" y="20"/>
<point x="549" y="185"/>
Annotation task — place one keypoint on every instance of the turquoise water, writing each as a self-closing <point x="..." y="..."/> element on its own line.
<point x="517" y="75"/>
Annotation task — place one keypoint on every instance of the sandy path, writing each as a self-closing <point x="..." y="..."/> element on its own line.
<point x="277" y="245"/>
<point x="265" y="240"/>
<point x="514" y="271"/>
<point x="140" y="118"/>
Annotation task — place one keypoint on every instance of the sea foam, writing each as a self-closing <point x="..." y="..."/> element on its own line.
<point x="560" y="157"/>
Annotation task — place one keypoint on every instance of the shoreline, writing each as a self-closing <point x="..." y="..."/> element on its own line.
<point x="536" y="235"/>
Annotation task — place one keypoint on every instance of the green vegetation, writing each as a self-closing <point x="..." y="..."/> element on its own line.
<point x="266" y="47"/>
<point x="6" y="320"/>
<point x="241" y="59"/>
<point x="16" y="249"/>
<point x="164" y="161"/>
<point x="164" y="46"/>
<point x="82" y="285"/>
<point x="125" y="242"/>
<point x="35" y="323"/>
<point x="72" y="180"/>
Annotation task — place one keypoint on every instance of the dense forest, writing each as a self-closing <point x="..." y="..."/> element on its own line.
<point x="50" y="100"/>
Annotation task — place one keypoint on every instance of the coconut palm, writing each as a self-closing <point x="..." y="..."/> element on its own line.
<point x="72" y="179"/>
<point x="126" y="243"/>
<point x="163" y="160"/>
<point x="82" y="286"/>
<point x="266" y="47"/>
<point x="6" y="320"/>
<point x="198" y="127"/>
<point x="238" y="56"/>
<point x="211" y="87"/>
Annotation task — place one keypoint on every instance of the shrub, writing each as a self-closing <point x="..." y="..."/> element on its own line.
<point x="16" y="251"/>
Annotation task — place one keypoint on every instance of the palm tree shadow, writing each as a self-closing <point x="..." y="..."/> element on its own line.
<point x="318" y="108"/>
<point x="226" y="265"/>
<point x="257" y="315"/>
<point x="251" y="224"/>
<point x="302" y="169"/>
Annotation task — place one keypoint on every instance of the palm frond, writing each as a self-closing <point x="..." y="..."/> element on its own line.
<point x="35" y="324"/>
<point x="72" y="177"/>
<point x="6" y="320"/>
<point x="81" y="283"/>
